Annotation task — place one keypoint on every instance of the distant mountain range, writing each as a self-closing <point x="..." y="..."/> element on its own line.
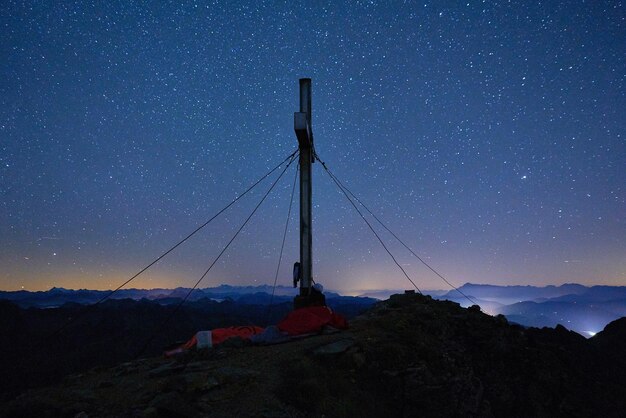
<point x="583" y="309"/>
<point x="257" y="295"/>
<point x="586" y="310"/>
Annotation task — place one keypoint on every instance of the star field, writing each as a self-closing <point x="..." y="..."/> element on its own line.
<point x="489" y="135"/>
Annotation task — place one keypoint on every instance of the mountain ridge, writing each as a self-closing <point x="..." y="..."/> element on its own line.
<point x="407" y="356"/>
<point x="584" y="309"/>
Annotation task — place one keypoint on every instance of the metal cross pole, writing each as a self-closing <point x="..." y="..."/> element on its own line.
<point x="302" y="125"/>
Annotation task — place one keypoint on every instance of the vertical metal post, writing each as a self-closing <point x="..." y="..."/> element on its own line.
<point x="302" y="124"/>
<point x="306" y="157"/>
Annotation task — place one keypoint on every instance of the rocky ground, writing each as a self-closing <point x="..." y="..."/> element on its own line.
<point x="408" y="356"/>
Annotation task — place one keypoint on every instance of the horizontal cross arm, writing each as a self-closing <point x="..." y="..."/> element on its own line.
<point x="303" y="129"/>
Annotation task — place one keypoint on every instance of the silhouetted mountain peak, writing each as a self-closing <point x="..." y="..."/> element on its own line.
<point x="60" y="290"/>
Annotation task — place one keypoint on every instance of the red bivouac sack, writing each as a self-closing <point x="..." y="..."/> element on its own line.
<point x="311" y="320"/>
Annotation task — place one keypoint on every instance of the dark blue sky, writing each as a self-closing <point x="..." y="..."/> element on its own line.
<point x="489" y="135"/>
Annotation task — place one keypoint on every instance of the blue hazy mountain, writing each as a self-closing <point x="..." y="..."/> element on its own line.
<point x="244" y="294"/>
<point x="512" y="294"/>
<point x="583" y="309"/>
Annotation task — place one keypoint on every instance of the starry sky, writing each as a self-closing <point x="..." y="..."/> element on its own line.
<point x="489" y="135"/>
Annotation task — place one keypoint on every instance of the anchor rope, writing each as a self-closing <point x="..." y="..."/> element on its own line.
<point x="280" y="257"/>
<point x="71" y="320"/>
<point x="369" y="225"/>
<point x="341" y="184"/>
<point x="182" y="302"/>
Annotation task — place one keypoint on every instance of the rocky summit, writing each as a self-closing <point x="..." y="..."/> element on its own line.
<point x="407" y="356"/>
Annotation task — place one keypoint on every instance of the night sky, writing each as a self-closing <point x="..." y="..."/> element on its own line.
<point x="489" y="135"/>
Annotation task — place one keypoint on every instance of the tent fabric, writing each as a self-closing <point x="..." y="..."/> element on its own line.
<point x="303" y="321"/>
<point x="219" y="335"/>
<point x="271" y="335"/>
<point x="311" y="320"/>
